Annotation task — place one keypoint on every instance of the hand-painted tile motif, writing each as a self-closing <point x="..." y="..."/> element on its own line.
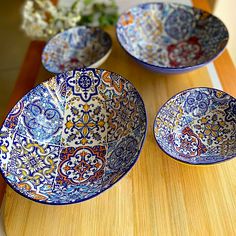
<point x="81" y="165"/>
<point x="170" y="36"/>
<point x="198" y="126"/>
<point x="12" y="118"/>
<point x="73" y="136"/>
<point x="6" y="137"/>
<point x="57" y="89"/>
<point x="85" y="123"/>
<point x="84" y="83"/>
<point x="123" y="115"/>
<point x="33" y="162"/>
<point x="41" y="118"/>
<point x="76" y="48"/>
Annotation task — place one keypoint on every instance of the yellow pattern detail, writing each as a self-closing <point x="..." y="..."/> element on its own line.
<point x="28" y="146"/>
<point x="69" y="124"/>
<point x="4" y="148"/>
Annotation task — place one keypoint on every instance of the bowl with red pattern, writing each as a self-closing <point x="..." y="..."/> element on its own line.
<point x="198" y="126"/>
<point x="72" y="137"/>
<point x="76" y="48"/>
<point x="171" y="37"/>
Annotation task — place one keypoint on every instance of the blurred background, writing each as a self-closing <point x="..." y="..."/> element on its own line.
<point x="14" y="42"/>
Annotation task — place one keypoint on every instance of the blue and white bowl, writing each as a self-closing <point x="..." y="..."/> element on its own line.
<point x="76" y="48"/>
<point x="171" y="37"/>
<point x="72" y="137"/>
<point x="198" y="126"/>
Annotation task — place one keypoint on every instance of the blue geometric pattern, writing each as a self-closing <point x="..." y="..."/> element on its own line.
<point x="57" y="144"/>
<point x="84" y="83"/>
<point x="171" y="37"/>
<point x="198" y="126"/>
<point x="41" y="117"/>
<point x="75" y="48"/>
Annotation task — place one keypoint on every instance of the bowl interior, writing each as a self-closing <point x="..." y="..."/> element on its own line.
<point x="198" y="126"/>
<point x="73" y="136"/>
<point x="171" y="35"/>
<point x="76" y="48"/>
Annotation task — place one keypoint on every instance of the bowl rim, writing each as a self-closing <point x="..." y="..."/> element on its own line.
<point x="110" y="186"/>
<point x="107" y="53"/>
<point x="181" y="68"/>
<point x="175" y="158"/>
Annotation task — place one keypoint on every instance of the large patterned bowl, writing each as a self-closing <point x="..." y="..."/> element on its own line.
<point x="72" y="137"/>
<point x="76" y="48"/>
<point x="198" y="126"/>
<point x="171" y="37"/>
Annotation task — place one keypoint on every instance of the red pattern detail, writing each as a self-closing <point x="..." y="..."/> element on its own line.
<point x="117" y="85"/>
<point x="82" y="166"/>
<point x="185" y="149"/>
<point x="127" y="19"/>
<point x="185" y="52"/>
<point x="12" y="119"/>
<point x="201" y="147"/>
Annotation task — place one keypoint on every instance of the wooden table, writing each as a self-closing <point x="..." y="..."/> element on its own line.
<point x="159" y="196"/>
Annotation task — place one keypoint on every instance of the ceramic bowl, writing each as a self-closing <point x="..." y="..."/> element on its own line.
<point x="171" y="37"/>
<point x="198" y="126"/>
<point x="72" y="137"/>
<point x="76" y="48"/>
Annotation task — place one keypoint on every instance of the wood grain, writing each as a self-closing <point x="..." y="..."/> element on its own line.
<point x="226" y="72"/>
<point x="159" y="196"/>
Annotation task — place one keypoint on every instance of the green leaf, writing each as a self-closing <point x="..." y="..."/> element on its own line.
<point x="87" y="2"/>
<point x="74" y="5"/>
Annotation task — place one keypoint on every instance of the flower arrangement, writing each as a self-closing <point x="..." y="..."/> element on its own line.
<point x="42" y="19"/>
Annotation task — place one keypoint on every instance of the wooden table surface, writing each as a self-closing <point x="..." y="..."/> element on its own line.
<point x="159" y="196"/>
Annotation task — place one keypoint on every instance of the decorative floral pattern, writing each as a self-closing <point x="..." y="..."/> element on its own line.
<point x="150" y="26"/>
<point x="124" y="116"/>
<point x="33" y="164"/>
<point x="168" y="36"/>
<point x="212" y="129"/>
<point x="38" y="115"/>
<point x="195" y="126"/>
<point x="84" y="83"/>
<point x="5" y="147"/>
<point x="197" y="103"/>
<point x="111" y="85"/>
<point x="185" y="53"/>
<point x="124" y="154"/>
<point x="73" y="136"/>
<point x="41" y="119"/>
<point x="12" y="118"/>
<point x="81" y="165"/>
<point x="231" y="112"/>
<point x="57" y="88"/>
<point x="76" y="48"/>
<point x="229" y="147"/>
<point x="180" y="22"/>
<point x="85" y="124"/>
<point x="187" y="144"/>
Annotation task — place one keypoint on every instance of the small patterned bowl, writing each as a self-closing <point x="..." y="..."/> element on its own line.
<point x="171" y="37"/>
<point x="72" y="137"/>
<point x="198" y="126"/>
<point x="76" y="48"/>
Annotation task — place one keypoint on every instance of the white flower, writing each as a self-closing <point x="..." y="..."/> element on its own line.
<point x="42" y="20"/>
